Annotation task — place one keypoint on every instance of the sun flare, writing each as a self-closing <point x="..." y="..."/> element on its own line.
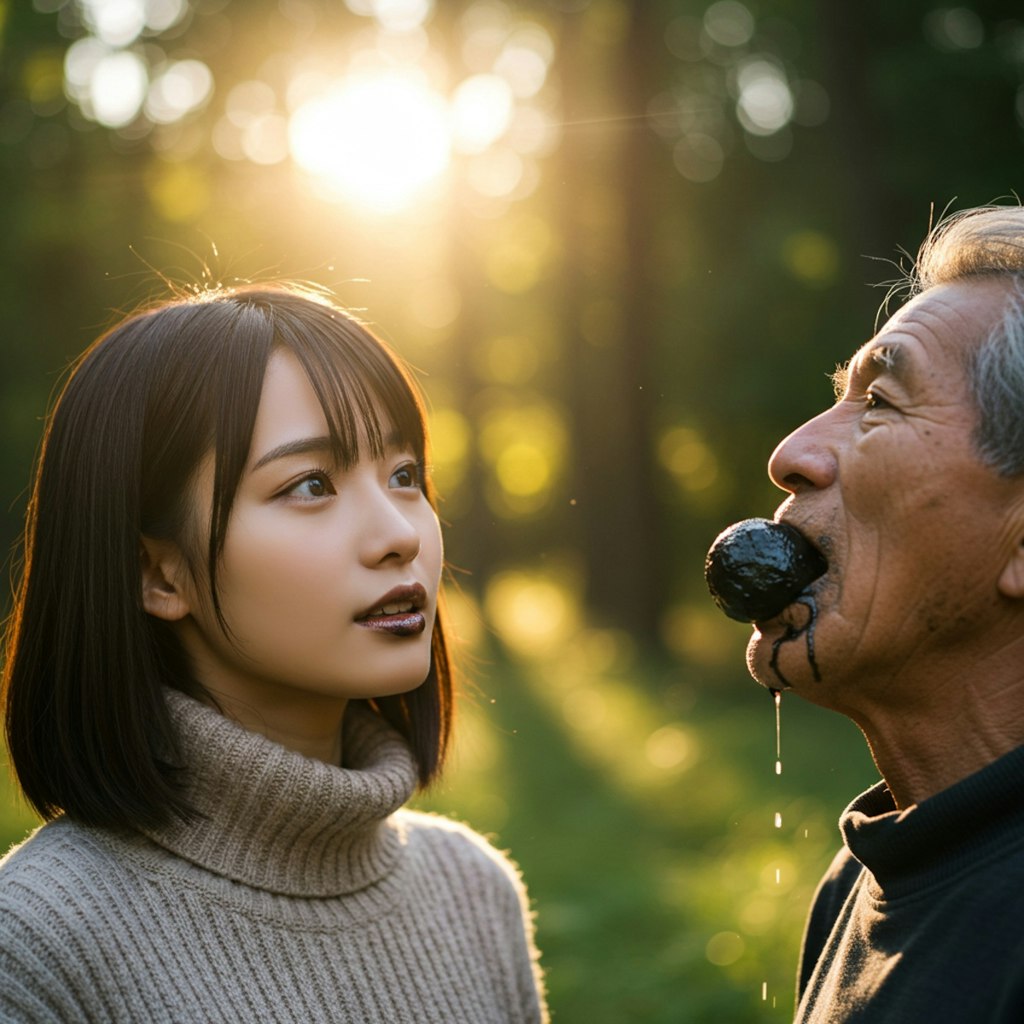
<point x="377" y="139"/>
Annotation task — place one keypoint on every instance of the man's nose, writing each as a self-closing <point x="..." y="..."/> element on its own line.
<point x="805" y="460"/>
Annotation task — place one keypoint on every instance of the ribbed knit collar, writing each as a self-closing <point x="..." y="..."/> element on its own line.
<point x="286" y="823"/>
<point x="941" y="837"/>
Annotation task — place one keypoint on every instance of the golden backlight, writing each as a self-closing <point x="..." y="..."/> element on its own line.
<point x="376" y="139"/>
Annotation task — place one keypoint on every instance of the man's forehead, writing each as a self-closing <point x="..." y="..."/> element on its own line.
<point x="957" y="314"/>
<point x="930" y="322"/>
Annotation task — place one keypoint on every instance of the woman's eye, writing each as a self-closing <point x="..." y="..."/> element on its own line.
<point x="407" y="475"/>
<point x="316" y="485"/>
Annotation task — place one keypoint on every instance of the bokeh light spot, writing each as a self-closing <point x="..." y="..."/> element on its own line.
<point x="249" y="99"/>
<point x="178" y="192"/>
<point x="523" y="469"/>
<point x="115" y="22"/>
<point x="729" y="23"/>
<point x="525" y="60"/>
<point x="812" y="258"/>
<point x="698" y="157"/>
<point x="525" y="447"/>
<point x="954" y="28"/>
<point x="265" y="139"/>
<point x="765" y="102"/>
<point x="685" y="454"/>
<point x="702" y="636"/>
<point x="450" y="448"/>
<point x="725" y="948"/>
<point x="117" y="89"/>
<point x="481" y="111"/>
<point x="394" y="15"/>
<point x="671" y="748"/>
<point x="179" y="88"/>
<point x="43" y="78"/>
<point x="164" y="14"/>
<point x="485" y="25"/>
<point x="532" y="614"/>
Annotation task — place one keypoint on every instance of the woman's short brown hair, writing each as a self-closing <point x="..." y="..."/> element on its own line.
<point x="83" y="681"/>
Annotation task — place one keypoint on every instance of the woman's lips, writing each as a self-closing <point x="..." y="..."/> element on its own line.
<point x="398" y="612"/>
<point x="402" y="624"/>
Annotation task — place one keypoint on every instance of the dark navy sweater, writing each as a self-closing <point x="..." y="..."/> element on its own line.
<point x="921" y="915"/>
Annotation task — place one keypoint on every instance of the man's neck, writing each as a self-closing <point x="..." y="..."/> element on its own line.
<point x="923" y="750"/>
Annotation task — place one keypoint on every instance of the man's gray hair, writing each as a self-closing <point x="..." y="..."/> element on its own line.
<point x="987" y="241"/>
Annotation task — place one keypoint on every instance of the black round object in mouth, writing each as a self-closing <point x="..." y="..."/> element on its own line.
<point x="757" y="567"/>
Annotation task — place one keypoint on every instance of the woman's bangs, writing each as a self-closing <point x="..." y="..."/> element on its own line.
<point x="367" y="399"/>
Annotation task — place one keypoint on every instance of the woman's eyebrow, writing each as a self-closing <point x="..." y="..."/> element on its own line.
<point x="396" y="441"/>
<point x="300" y="446"/>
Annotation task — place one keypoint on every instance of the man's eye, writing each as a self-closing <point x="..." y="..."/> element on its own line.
<point x="876" y="401"/>
<point x="316" y="485"/>
<point x="407" y="475"/>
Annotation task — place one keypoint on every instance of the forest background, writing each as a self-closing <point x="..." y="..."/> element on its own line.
<point x="624" y="244"/>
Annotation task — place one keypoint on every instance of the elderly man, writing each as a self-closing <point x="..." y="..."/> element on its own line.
<point x="912" y="487"/>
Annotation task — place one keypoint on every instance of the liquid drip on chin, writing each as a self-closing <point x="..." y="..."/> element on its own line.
<point x="807" y="629"/>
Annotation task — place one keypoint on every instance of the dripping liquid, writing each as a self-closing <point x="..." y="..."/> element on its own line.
<point x="777" y="697"/>
<point x="777" y="701"/>
<point x="792" y="633"/>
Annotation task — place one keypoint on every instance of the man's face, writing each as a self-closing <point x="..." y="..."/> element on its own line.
<point x="916" y="529"/>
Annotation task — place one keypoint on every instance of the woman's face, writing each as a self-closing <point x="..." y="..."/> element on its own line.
<point x="329" y="576"/>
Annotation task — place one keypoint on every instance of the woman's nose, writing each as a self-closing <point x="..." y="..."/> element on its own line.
<point x="390" y="533"/>
<point x="805" y="459"/>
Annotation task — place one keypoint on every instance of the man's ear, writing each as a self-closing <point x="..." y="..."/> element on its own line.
<point x="1011" y="579"/>
<point x="165" y="579"/>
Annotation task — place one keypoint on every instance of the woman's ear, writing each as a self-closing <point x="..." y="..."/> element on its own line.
<point x="165" y="579"/>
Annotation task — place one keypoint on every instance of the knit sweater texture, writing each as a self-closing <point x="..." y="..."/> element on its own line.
<point x="303" y="893"/>
<point x="920" y="916"/>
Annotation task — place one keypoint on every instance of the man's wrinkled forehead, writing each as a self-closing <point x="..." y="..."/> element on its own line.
<point x="930" y="322"/>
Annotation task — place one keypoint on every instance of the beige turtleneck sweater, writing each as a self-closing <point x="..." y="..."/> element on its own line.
<point x="304" y="894"/>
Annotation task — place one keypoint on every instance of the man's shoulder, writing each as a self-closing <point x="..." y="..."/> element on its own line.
<point x="833" y="890"/>
<point x="839" y="877"/>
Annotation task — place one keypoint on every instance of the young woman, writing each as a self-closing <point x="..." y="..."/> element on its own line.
<point x="225" y="673"/>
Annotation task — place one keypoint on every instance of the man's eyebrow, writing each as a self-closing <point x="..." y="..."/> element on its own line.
<point x="300" y="446"/>
<point x="888" y="358"/>
<point x="869" y="363"/>
<point x="885" y="357"/>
